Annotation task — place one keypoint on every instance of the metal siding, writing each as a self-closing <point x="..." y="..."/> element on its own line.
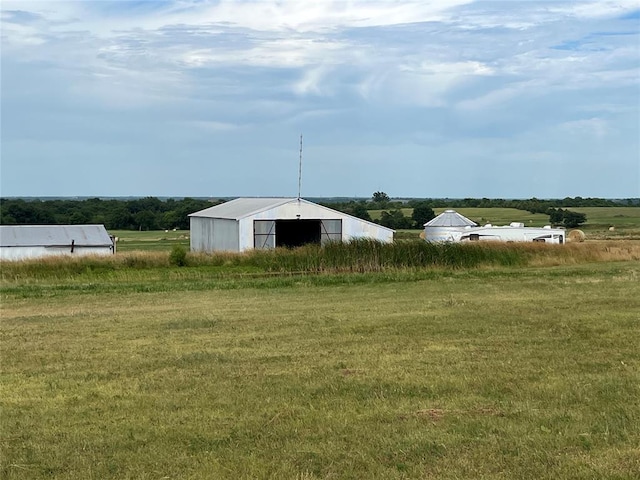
<point x="23" y="253"/>
<point x="245" y="240"/>
<point x="355" y="228"/>
<point x="213" y="234"/>
<point x="226" y="235"/>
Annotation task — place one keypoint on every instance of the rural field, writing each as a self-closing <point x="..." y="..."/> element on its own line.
<point x="498" y="362"/>
<point x="600" y="220"/>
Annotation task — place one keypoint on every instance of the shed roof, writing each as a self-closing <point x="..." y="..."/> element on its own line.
<point x="450" y="218"/>
<point x="53" y="235"/>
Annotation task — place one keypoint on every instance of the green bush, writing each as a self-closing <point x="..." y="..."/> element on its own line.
<point x="178" y="256"/>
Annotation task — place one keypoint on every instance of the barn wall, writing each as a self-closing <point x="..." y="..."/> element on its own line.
<point x="356" y="228"/>
<point x="23" y="253"/>
<point x="213" y="234"/>
<point x="245" y="233"/>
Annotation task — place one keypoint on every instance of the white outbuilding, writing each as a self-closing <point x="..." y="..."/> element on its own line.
<point x="450" y="226"/>
<point x="19" y="242"/>
<point x="446" y="227"/>
<point x="262" y="223"/>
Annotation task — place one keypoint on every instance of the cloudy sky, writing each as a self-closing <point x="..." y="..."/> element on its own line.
<point x="446" y="98"/>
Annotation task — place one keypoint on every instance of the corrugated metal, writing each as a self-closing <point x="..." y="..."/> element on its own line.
<point x="213" y="234"/>
<point x="240" y="208"/>
<point x="54" y="235"/>
<point x="450" y="218"/>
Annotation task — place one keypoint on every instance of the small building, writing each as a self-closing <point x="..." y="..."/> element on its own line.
<point x="446" y="227"/>
<point x="19" y="242"/>
<point x="450" y="226"/>
<point x="262" y="223"/>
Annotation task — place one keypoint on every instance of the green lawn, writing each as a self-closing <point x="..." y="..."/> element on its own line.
<point x="619" y="217"/>
<point x="155" y="240"/>
<point x="499" y="373"/>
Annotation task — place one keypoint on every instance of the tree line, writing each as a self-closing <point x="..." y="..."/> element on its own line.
<point x="152" y="213"/>
<point x="149" y="213"/>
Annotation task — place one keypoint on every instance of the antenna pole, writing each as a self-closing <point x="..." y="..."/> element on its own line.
<point x="300" y="168"/>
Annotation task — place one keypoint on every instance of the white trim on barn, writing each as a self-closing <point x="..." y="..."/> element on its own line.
<point x="247" y="223"/>
<point x="19" y="242"/>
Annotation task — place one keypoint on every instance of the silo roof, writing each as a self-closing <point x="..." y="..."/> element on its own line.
<point x="450" y="218"/>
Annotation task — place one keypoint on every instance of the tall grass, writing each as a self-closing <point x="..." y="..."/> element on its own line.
<point x="361" y="256"/>
<point x="372" y="256"/>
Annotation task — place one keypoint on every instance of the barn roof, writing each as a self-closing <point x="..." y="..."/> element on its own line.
<point x="450" y="218"/>
<point x="245" y="207"/>
<point x="53" y="235"/>
<point x="241" y="208"/>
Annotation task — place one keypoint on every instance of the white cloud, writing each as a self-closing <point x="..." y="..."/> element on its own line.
<point x="590" y="127"/>
<point x="403" y="74"/>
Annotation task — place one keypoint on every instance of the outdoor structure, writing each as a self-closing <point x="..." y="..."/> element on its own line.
<point x="446" y="227"/>
<point x="18" y="242"/>
<point x="450" y="226"/>
<point x="247" y="223"/>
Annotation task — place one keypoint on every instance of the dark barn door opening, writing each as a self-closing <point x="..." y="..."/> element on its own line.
<point x="293" y="233"/>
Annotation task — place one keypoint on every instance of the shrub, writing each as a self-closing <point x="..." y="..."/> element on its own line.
<point x="178" y="256"/>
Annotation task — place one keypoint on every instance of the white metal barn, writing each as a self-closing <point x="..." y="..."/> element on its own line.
<point x="248" y="223"/>
<point x="18" y="242"/>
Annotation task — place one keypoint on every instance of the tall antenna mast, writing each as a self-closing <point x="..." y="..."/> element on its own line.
<point x="300" y="168"/>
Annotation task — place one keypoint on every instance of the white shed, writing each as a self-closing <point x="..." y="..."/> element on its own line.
<point x="247" y="223"/>
<point x="18" y="242"/>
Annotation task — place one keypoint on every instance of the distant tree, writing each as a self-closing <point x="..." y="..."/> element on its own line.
<point x="422" y="213"/>
<point x="380" y="198"/>
<point x="573" y="219"/>
<point x="556" y="215"/>
<point x="566" y="218"/>
<point x="145" y="220"/>
<point x="120" y="218"/>
<point x="395" y="219"/>
<point x="79" y="217"/>
<point x="170" y="219"/>
<point x="360" y="210"/>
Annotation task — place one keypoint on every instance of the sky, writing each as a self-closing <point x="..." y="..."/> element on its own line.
<point x="415" y="98"/>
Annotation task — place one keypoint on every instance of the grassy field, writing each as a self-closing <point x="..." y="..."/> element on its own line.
<point x="624" y="220"/>
<point x="146" y="371"/>
<point x="155" y="240"/>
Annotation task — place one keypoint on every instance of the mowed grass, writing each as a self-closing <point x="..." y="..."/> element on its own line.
<point x="620" y="217"/>
<point x="154" y="240"/>
<point x="506" y="373"/>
